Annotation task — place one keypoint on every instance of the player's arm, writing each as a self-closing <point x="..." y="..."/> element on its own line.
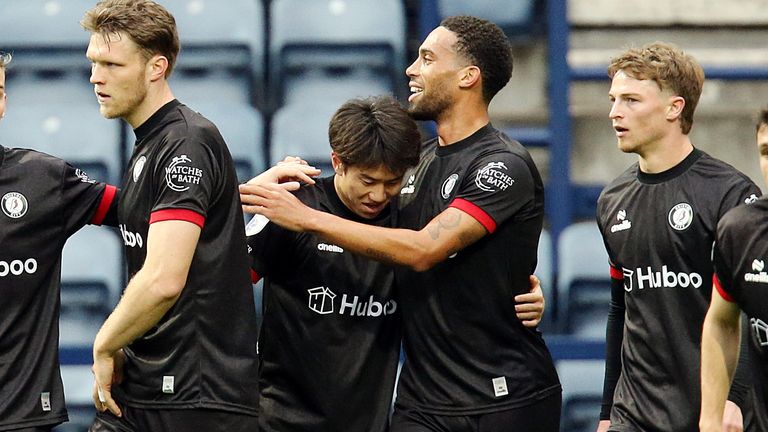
<point x="719" y="354"/>
<point x="447" y="233"/>
<point x="149" y="295"/>
<point x="614" y="336"/>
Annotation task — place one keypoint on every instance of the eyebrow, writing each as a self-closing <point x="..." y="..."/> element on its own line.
<point x="425" y="51"/>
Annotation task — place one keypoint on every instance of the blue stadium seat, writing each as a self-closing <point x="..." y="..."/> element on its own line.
<point x="337" y="35"/>
<point x="78" y="386"/>
<point x="209" y="86"/>
<point x="582" y="382"/>
<point x="317" y="85"/>
<point x="583" y="281"/>
<point x="91" y="283"/>
<point x="242" y="127"/>
<point x="74" y="132"/>
<point x="30" y="87"/>
<point x="514" y="17"/>
<point x="545" y="272"/>
<point x="302" y="130"/>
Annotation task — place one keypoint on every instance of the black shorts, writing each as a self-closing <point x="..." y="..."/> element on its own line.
<point x="146" y="420"/>
<point x="542" y="416"/>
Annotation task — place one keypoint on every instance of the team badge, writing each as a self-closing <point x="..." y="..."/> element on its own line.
<point x="14" y="205"/>
<point x="138" y="167"/>
<point x="179" y="175"/>
<point x="493" y="177"/>
<point x="681" y="216"/>
<point x="448" y="185"/>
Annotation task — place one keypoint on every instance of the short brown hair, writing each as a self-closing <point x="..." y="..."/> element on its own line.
<point x="375" y="131"/>
<point x="762" y="119"/>
<point x="670" y="68"/>
<point x="5" y="58"/>
<point x="147" y="23"/>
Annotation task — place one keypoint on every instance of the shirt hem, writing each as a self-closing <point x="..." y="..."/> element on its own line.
<point x="222" y="406"/>
<point x="482" y="409"/>
<point x="46" y="421"/>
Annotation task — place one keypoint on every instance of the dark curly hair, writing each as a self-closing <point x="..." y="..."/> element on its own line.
<point x="483" y="44"/>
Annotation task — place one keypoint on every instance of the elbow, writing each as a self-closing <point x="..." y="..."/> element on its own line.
<point x="167" y="289"/>
<point x="421" y="262"/>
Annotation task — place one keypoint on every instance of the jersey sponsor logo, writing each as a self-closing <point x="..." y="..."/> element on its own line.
<point x="681" y="216"/>
<point x="138" y="167"/>
<point x="648" y="278"/>
<point x="131" y="239"/>
<point x="493" y="177"/>
<point x="759" y="276"/>
<point x="448" y="185"/>
<point x="410" y="186"/>
<point x="329" y="248"/>
<point x="760" y="331"/>
<point x="750" y="199"/>
<point x="18" y="267"/>
<point x="83" y="176"/>
<point x="179" y="175"/>
<point x="624" y="223"/>
<point x="321" y="301"/>
<point x="14" y="205"/>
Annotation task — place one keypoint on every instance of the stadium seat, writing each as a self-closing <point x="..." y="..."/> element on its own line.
<point x="582" y="382"/>
<point x="91" y="283"/>
<point x="29" y="87"/>
<point x="78" y="386"/>
<point x="74" y="132"/>
<point x="318" y="85"/>
<point x="545" y="272"/>
<point x="514" y="17"/>
<point x="583" y="281"/>
<point x="337" y="35"/>
<point x="302" y="130"/>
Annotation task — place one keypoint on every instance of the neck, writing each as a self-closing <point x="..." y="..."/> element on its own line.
<point x="158" y="94"/>
<point x="461" y="120"/>
<point x="666" y="154"/>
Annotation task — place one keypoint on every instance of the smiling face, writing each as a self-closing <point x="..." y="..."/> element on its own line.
<point x="119" y="73"/>
<point x="639" y="113"/>
<point x="762" y="148"/>
<point x="365" y="191"/>
<point x="434" y="76"/>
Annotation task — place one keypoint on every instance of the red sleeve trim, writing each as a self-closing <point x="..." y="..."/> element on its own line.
<point x="476" y="212"/>
<point x="727" y="297"/>
<point x="177" y="214"/>
<point x="616" y="273"/>
<point x="107" y="197"/>
<point x="254" y="276"/>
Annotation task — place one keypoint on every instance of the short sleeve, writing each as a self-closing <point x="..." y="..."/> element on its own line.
<point x="496" y="188"/>
<point x="266" y="249"/>
<point x="743" y="191"/>
<point x="724" y="276"/>
<point x="84" y="200"/>
<point x="187" y="176"/>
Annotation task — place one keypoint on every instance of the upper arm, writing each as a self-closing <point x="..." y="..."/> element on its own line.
<point x="171" y="246"/>
<point x="722" y="310"/>
<point x="449" y="232"/>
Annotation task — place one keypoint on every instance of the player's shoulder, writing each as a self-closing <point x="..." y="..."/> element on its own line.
<point x="716" y="170"/>
<point x="33" y="159"/>
<point x="315" y="195"/>
<point x="745" y="216"/>
<point x="193" y="126"/>
<point x="618" y="185"/>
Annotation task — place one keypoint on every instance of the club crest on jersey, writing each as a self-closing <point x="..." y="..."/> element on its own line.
<point x="179" y="175"/>
<point x="138" y="167"/>
<point x="14" y="205"/>
<point x="681" y="216"/>
<point x="83" y="176"/>
<point x="759" y="276"/>
<point x="448" y="185"/>
<point x="760" y="329"/>
<point x="493" y="177"/>
<point x="624" y="223"/>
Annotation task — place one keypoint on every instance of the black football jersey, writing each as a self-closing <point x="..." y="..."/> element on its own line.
<point x="202" y="353"/>
<point x="659" y="230"/>
<point x="466" y="351"/>
<point x="43" y="201"/>
<point x="741" y="250"/>
<point x="330" y="335"/>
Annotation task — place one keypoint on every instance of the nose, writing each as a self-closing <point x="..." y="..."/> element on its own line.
<point x="412" y="70"/>
<point x="614" y="113"/>
<point x="96" y="76"/>
<point x="379" y="193"/>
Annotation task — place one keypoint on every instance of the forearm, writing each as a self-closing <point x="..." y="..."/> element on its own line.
<point x="719" y="354"/>
<point x="614" y="336"/>
<point x="144" y="303"/>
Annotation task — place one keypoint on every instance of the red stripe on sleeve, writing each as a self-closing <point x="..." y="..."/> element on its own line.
<point x="727" y="297"/>
<point x="177" y="214"/>
<point x="616" y="272"/>
<point x="476" y="212"/>
<point x="106" y="201"/>
<point x="254" y="276"/>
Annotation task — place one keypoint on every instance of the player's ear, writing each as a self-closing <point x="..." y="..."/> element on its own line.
<point x="338" y="166"/>
<point x="469" y="76"/>
<point x="157" y="66"/>
<point x="675" y="108"/>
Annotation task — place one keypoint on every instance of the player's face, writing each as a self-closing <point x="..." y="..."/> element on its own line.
<point x="3" y="97"/>
<point x="366" y="191"/>
<point x="434" y="75"/>
<point x="638" y="113"/>
<point x="762" y="147"/>
<point x="119" y="73"/>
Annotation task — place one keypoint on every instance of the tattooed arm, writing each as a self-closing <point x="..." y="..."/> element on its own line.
<point x="446" y="234"/>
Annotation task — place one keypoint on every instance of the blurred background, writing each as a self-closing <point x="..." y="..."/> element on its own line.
<point x="270" y="73"/>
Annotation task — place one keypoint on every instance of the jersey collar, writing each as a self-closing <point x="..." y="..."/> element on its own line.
<point x="145" y="128"/>
<point x="672" y="172"/>
<point x="466" y="142"/>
